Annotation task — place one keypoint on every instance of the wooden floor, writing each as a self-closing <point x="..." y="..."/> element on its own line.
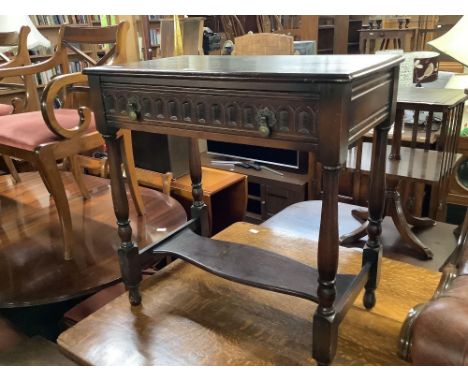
<point x="32" y="268"/>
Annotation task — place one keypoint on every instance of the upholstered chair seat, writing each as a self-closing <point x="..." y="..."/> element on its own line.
<point x="5" y="109"/>
<point x="28" y="130"/>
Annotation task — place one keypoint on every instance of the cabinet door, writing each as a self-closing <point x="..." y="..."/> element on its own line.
<point x="275" y="199"/>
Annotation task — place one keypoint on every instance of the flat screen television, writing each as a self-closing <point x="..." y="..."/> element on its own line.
<point x="290" y="159"/>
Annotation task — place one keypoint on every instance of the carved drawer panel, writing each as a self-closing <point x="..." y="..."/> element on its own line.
<point x="289" y="116"/>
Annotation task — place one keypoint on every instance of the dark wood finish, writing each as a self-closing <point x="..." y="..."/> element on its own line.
<point x="71" y="141"/>
<point x="346" y="95"/>
<point x="32" y="268"/>
<point x="191" y="317"/>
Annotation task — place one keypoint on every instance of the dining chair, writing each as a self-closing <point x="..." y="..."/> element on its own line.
<point x="51" y="134"/>
<point x="25" y="84"/>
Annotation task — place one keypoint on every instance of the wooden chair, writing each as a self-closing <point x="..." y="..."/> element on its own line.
<point x="413" y="164"/>
<point x="232" y="27"/>
<point x="43" y="137"/>
<point x="26" y="84"/>
<point x="263" y="44"/>
<point x="265" y="24"/>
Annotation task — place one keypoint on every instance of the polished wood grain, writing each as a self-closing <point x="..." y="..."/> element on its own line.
<point x="32" y="268"/>
<point x="191" y="317"/>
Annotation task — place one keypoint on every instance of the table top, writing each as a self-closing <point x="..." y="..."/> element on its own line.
<point x="32" y="268"/>
<point x="306" y="68"/>
<point x="430" y="96"/>
<point x="191" y="317"/>
<point x="416" y="164"/>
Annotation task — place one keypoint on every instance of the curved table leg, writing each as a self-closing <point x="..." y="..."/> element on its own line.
<point x="411" y="219"/>
<point x="354" y="236"/>
<point x="395" y="210"/>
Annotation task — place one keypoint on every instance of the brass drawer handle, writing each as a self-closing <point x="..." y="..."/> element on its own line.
<point x="133" y="109"/>
<point x="266" y="120"/>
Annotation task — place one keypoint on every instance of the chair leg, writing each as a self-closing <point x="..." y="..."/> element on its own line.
<point x="47" y="166"/>
<point x="129" y="165"/>
<point x="11" y="168"/>
<point x="78" y="176"/>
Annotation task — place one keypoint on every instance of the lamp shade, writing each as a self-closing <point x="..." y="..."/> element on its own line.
<point x="13" y="23"/>
<point x="454" y="42"/>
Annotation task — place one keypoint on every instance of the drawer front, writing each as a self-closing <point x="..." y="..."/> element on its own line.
<point x="217" y="111"/>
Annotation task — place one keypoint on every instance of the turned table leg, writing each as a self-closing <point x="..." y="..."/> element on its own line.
<point x="325" y="328"/>
<point x="372" y="252"/>
<point x="128" y="252"/>
<point x="198" y="209"/>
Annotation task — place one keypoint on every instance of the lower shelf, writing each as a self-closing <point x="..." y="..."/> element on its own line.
<point x="254" y="266"/>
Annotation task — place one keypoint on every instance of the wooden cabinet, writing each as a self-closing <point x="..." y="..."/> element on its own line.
<point x="338" y="34"/>
<point x="268" y="193"/>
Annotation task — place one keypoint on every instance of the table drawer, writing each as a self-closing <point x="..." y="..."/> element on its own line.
<point x="288" y="116"/>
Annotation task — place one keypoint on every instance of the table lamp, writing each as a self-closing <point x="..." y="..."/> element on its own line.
<point x="13" y="23"/>
<point x="454" y="44"/>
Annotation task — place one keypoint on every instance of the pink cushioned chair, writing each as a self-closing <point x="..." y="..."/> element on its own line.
<point x="46" y="136"/>
<point x="25" y="85"/>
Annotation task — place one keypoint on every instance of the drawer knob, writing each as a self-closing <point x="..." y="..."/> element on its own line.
<point x="133" y="109"/>
<point x="266" y="120"/>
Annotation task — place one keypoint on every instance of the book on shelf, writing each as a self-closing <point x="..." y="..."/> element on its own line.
<point x="154" y="17"/>
<point x="50" y="20"/>
<point x="44" y="77"/>
<point x="155" y="36"/>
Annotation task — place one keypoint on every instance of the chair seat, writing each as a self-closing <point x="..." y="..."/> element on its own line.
<point x="416" y="163"/>
<point x="29" y="130"/>
<point x="5" y="109"/>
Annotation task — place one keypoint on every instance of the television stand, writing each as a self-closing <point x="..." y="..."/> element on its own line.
<point x="268" y="193"/>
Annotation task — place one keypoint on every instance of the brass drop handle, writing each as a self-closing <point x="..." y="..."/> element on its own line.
<point x="133" y="109"/>
<point x="266" y="120"/>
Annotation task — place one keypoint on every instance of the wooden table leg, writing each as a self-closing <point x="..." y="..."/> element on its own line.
<point x="199" y="209"/>
<point x="395" y="210"/>
<point x="396" y="139"/>
<point x="373" y="249"/>
<point x="325" y="329"/>
<point x="128" y="252"/>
